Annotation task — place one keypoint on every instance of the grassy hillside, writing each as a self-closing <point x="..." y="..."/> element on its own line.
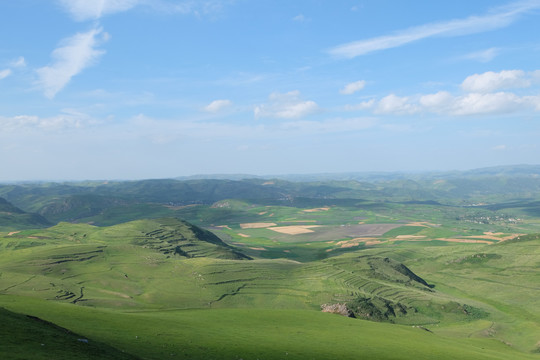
<point x="13" y="218"/>
<point x="163" y="265"/>
<point x="259" y="334"/>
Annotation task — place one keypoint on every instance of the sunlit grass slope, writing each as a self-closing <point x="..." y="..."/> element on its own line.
<point x="258" y="334"/>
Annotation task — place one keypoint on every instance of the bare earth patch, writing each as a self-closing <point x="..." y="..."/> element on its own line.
<point x="317" y="209"/>
<point x="224" y="227"/>
<point x="355" y="242"/>
<point x="297" y="221"/>
<point x="257" y="248"/>
<point x="13" y="233"/>
<point x="260" y="225"/>
<point x="243" y="235"/>
<point x="294" y="229"/>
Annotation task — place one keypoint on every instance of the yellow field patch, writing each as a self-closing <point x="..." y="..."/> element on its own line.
<point x="294" y="229"/>
<point x="257" y="248"/>
<point x="13" y="233"/>
<point x="357" y="241"/>
<point x="399" y="237"/>
<point x="243" y="235"/>
<point x="467" y="241"/>
<point x="260" y="225"/>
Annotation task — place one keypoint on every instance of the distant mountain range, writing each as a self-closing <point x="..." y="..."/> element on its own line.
<point x="374" y="176"/>
<point x="110" y="202"/>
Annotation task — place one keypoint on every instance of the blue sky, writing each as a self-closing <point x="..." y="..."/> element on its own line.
<point x="131" y="89"/>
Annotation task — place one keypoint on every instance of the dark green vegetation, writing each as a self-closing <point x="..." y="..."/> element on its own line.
<point x="442" y="266"/>
<point x="29" y="337"/>
<point x="11" y="217"/>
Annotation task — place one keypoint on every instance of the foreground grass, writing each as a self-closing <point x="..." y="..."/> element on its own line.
<point x="26" y="337"/>
<point x="255" y="334"/>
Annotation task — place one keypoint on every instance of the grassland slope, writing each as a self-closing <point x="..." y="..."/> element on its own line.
<point x="11" y="218"/>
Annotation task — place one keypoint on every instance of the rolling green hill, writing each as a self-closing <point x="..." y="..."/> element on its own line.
<point x="154" y="268"/>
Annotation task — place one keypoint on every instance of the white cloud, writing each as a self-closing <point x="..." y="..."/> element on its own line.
<point x="217" y="105"/>
<point x="498" y="18"/>
<point x="74" y="55"/>
<point x="364" y="105"/>
<point x="353" y="87"/>
<point x="5" y="73"/>
<point x="82" y="10"/>
<point x="286" y="106"/>
<point x="492" y="81"/>
<point x="477" y="103"/>
<point x="444" y="103"/>
<point x="483" y="56"/>
<point x="438" y="102"/>
<point x="393" y="104"/>
<point x="499" y="147"/>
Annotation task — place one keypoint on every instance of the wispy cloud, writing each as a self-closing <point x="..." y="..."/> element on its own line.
<point x="217" y="105"/>
<point x="286" y="106"/>
<point x="353" y="87"/>
<point x="67" y="119"/>
<point x="72" y="56"/>
<point x="82" y="10"/>
<point x="495" y="19"/>
<point x="20" y="62"/>
<point x="329" y="126"/>
<point x="300" y="18"/>
<point x="483" y="56"/>
<point x="5" y="73"/>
